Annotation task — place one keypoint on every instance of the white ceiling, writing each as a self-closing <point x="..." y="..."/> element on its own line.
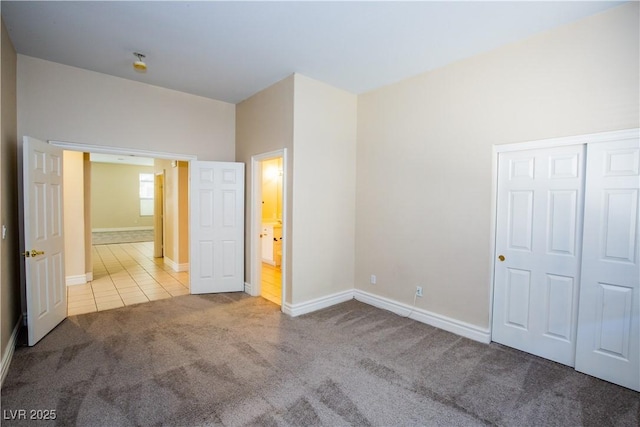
<point x="229" y="50"/>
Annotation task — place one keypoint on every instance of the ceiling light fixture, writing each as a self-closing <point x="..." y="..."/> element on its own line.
<point x="139" y="65"/>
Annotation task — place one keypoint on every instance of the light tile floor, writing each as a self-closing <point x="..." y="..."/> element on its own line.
<point x="125" y="274"/>
<point x="271" y="288"/>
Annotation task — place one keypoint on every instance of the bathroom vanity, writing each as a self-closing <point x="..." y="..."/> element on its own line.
<point x="272" y="243"/>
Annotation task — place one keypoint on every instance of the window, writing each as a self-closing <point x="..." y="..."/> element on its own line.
<point x="146" y="194"/>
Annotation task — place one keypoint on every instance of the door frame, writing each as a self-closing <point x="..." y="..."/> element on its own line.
<point x="158" y="220"/>
<point x="530" y="145"/>
<point x="105" y="149"/>
<point x="256" y="222"/>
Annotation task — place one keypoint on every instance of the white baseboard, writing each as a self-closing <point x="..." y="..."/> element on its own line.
<point x="317" y="304"/>
<point x="442" y="322"/>
<point x="89" y="276"/>
<point x="104" y="230"/>
<point x="80" y="279"/>
<point x="8" y="354"/>
<point x="457" y="327"/>
<point x="247" y="288"/>
<point x="175" y="266"/>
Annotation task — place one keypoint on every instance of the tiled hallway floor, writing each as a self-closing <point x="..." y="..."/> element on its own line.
<point x="125" y="274"/>
<point x="271" y="288"/>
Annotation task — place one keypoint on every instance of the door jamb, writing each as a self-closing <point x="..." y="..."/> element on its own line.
<point x="159" y="223"/>
<point x="256" y="220"/>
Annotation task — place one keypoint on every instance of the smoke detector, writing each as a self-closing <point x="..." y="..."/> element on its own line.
<point x="139" y="64"/>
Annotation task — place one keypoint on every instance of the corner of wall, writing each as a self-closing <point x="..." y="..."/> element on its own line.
<point x="9" y="246"/>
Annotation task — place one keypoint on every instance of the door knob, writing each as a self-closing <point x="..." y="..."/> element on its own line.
<point x="31" y="253"/>
<point x="501" y="257"/>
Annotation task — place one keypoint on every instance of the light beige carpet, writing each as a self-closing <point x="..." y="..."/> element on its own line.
<point x="232" y="360"/>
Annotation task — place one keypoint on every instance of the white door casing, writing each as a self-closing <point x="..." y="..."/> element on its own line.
<point x="538" y="232"/>
<point x="42" y="196"/>
<point x="608" y="343"/>
<point x="216" y="251"/>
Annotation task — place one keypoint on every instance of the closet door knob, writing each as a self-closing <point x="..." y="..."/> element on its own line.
<point x="501" y="257"/>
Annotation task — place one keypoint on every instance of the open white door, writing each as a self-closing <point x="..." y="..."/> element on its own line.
<point x="216" y="250"/>
<point x="43" y="251"/>
<point x="608" y="344"/>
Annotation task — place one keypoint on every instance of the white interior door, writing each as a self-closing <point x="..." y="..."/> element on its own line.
<point x="538" y="245"/>
<point x="608" y="344"/>
<point x="217" y="227"/>
<point x="43" y="237"/>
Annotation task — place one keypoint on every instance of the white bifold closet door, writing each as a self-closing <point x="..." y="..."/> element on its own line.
<point x="566" y="274"/>
<point x="608" y="344"/>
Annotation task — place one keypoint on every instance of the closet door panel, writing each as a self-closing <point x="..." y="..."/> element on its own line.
<point x="538" y="245"/>
<point x="608" y="342"/>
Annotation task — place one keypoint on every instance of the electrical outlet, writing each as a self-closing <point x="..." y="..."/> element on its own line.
<point x="419" y="291"/>
<point x="373" y="279"/>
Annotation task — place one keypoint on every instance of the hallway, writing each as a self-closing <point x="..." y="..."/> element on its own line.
<point x="125" y="274"/>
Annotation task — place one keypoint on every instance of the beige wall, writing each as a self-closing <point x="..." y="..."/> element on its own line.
<point x="9" y="247"/>
<point x="424" y="153"/>
<point x="317" y="124"/>
<point x="182" y="257"/>
<point x="73" y="205"/>
<point x="176" y="219"/>
<point x="324" y="180"/>
<point x="115" y="196"/>
<point x="58" y="102"/>
<point x="264" y="123"/>
<point x="162" y="165"/>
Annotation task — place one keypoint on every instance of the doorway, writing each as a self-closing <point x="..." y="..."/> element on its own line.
<point x="121" y="265"/>
<point x="215" y="221"/>
<point x="140" y="199"/>
<point x="268" y="242"/>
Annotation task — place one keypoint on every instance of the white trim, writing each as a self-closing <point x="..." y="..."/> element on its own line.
<point x="616" y="135"/>
<point x="255" y="226"/>
<point x="80" y="279"/>
<point x="11" y="346"/>
<point x="105" y="149"/>
<point x="492" y="231"/>
<point x="317" y="304"/>
<point x="247" y="288"/>
<point x="175" y="266"/>
<point x="457" y="327"/>
<point x="89" y="276"/>
<point x="106" y="230"/>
